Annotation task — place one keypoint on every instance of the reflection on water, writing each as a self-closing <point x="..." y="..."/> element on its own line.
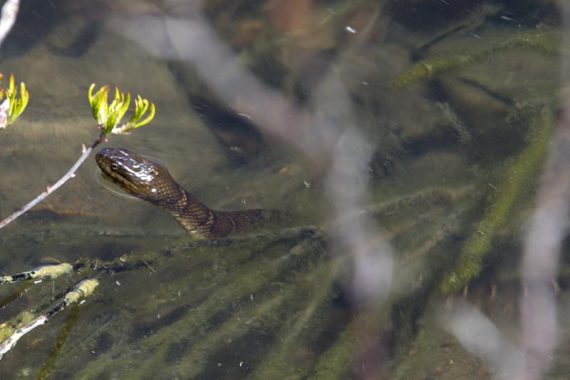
<point x="406" y="138"/>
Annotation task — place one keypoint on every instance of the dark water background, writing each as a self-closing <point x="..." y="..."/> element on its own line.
<point x="407" y="139"/>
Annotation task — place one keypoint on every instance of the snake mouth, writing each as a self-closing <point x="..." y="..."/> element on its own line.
<point x="109" y="183"/>
<point x="110" y="172"/>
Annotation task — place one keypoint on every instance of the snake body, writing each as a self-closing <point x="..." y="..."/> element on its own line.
<point x="150" y="181"/>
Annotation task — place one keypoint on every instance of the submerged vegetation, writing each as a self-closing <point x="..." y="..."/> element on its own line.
<point x="447" y="195"/>
<point x="540" y="41"/>
<point x="519" y="175"/>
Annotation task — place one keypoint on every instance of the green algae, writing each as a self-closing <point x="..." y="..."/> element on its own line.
<point x="297" y="331"/>
<point x="542" y="41"/>
<point x="70" y="321"/>
<point x="7" y="329"/>
<point x="297" y="318"/>
<point x="266" y="315"/>
<point x="519" y="176"/>
<point x="394" y="316"/>
<point x="359" y="334"/>
<point x="246" y="280"/>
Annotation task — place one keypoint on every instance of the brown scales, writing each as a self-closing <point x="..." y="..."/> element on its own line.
<point x="151" y="182"/>
<point x="202" y="221"/>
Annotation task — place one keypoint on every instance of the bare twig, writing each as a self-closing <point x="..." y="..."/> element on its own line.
<point x="8" y="18"/>
<point x="50" y="189"/>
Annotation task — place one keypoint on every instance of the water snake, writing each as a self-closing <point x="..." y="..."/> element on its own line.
<point x="150" y="181"/>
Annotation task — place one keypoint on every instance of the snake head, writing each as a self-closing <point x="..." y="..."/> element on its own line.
<point x="134" y="174"/>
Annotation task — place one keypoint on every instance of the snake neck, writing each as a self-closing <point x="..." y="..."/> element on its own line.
<point x="150" y="181"/>
<point x="205" y="223"/>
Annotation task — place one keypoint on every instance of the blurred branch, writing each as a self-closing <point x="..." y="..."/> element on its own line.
<point x="8" y="18"/>
<point x="543" y="245"/>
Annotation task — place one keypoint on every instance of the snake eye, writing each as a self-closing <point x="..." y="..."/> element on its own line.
<point x="114" y="166"/>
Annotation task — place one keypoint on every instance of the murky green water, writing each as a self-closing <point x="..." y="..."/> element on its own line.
<point x="405" y="138"/>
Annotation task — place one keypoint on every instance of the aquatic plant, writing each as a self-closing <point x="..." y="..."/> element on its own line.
<point x="279" y="287"/>
<point x="25" y="322"/>
<point x="545" y="42"/>
<point x="519" y="175"/>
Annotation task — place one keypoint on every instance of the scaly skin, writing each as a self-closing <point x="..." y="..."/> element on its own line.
<point x="153" y="183"/>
